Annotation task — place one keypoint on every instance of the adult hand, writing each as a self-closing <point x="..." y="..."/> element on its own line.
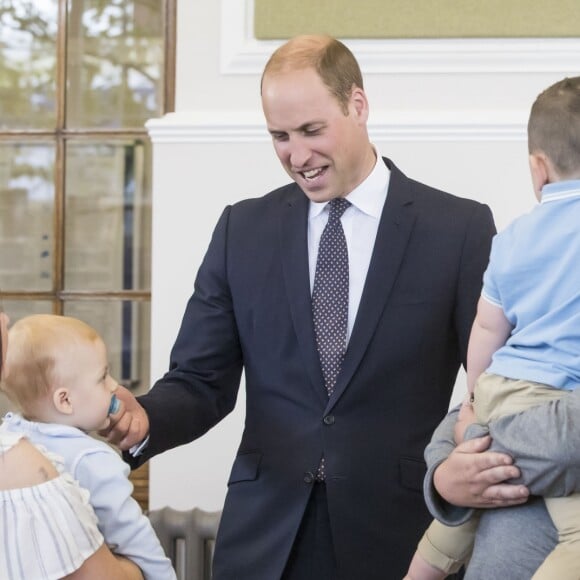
<point x="474" y="477"/>
<point x="129" y="425"/>
<point x="104" y="564"/>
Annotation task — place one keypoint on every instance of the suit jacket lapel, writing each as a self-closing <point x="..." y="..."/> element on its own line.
<point x="294" y="252"/>
<point x="393" y="235"/>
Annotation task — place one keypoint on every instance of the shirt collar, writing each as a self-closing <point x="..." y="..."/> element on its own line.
<point x="368" y="197"/>
<point x="560" y="190"/>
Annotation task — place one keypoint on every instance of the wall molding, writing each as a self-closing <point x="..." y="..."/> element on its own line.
<point x="242" y="54"/>
<point x="232" y="127"/>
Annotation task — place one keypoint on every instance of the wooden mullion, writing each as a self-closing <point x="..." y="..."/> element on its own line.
<point x="60" y="158"/>
<point x="170" y="50"/>
<point x="113" y="295"/>
<point x="64" y="295"/>
<point x="58" y="276"/>
<point x="61" y="64"/>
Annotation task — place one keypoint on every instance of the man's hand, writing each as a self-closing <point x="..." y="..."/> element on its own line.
<point x="474" y="477"/>
<point x="129" y="425"/>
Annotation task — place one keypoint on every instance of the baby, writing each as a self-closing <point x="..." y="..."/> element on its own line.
<point x="57" y="374"/>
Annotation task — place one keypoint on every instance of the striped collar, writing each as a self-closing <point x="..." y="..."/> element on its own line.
<point x="560" y="190"/>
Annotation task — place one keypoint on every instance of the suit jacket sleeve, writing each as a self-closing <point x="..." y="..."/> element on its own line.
<point x="205" y="368"/>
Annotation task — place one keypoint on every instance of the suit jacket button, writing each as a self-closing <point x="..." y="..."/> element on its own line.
<point x="329" y="420"/>
<point x="309" y="477"/>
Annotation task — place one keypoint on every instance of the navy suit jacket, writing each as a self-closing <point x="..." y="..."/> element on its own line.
<point x="251" y="311"/>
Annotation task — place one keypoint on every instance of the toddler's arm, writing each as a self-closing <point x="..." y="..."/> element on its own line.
<point x="125" y="528"/>
<point x="489" y="332"/>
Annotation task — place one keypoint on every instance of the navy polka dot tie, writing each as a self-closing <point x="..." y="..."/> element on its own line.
<point x="330" y="295"/>
<point x="330" y="300"/>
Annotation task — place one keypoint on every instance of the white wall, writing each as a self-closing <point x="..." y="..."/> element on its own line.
<point x="449" y="113"/>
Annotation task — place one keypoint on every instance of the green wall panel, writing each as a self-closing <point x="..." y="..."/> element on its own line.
<point x="277" y="19"/>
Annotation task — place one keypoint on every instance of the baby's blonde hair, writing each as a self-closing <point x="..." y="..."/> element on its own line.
<point x="35" y="345"/>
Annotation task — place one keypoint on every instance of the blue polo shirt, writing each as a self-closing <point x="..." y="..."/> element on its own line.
<point x="534" y="276"/>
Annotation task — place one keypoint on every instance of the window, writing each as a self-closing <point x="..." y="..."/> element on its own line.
<point x="78" y="80"/>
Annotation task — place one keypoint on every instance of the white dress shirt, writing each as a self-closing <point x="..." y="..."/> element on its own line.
<point x="360" y="223"/>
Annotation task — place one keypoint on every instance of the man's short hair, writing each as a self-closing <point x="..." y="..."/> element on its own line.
<point x="330" y="58"/>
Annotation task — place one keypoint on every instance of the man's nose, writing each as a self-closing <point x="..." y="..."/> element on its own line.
<point x="300" y="153"/>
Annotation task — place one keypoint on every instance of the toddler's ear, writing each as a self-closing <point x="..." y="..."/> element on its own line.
<point x="540" y="170"/>
<point x="62" y="402"/>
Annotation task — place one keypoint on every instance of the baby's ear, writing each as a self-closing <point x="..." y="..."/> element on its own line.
<point x="62" y="401"/>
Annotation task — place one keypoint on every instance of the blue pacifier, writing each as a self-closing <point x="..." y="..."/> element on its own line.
<point x="115" y="405"/>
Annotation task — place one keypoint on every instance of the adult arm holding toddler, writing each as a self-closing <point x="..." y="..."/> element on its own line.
<point x="443" y="550"/>
<point x="528" y="320"/>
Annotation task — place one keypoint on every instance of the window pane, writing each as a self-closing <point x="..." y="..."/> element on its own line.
<point x="17" y="309"/>
<point x="125" y="328"/>
<point x="115" y="62"/>
<point x="26" y="216"/>
<point x="108" y="216"/>
<point x="28" y="63"/>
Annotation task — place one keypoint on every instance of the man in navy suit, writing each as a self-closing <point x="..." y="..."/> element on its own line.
<point x="416" y="257"/>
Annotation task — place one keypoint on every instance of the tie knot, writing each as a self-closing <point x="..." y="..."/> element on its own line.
<point x="337" y="207"/>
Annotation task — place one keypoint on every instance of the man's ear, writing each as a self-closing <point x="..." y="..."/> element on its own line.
<point x="62" y="402"/>
<point x="359" y="102"/>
